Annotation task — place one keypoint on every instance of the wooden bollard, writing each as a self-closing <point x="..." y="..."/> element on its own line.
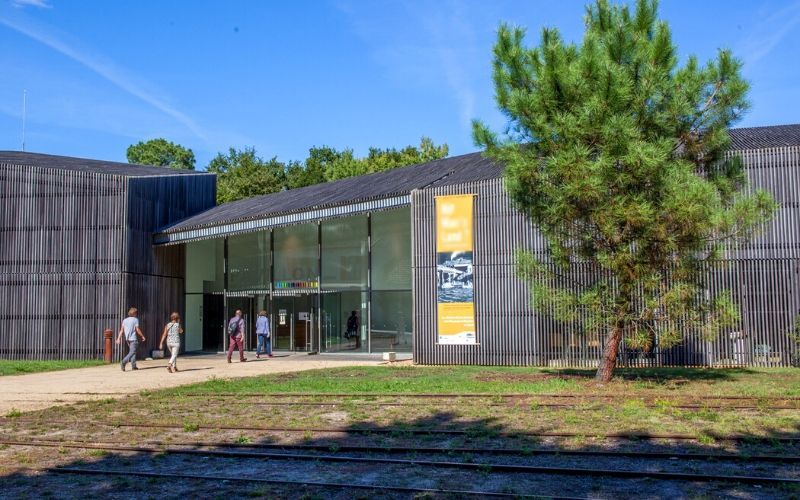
<point x="108" y="351"/>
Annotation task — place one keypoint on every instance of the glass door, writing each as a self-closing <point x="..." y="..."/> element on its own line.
<point x="304" y="323"/>
<point x="283" y="323"/>
<point x="213" y="322"/>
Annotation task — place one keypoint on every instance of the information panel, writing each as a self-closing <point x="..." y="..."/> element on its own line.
<point x="454" y="278"/>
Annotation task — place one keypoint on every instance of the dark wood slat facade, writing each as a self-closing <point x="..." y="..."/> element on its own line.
<point x="763" y="275"/>
<point x="76" y="251"/>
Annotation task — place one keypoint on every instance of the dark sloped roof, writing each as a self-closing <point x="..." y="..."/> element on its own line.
<point x="85" y="165"/>
<point x="455" y="170"/>
<point x="396" y="182"/>
<point x="775" y="136"/>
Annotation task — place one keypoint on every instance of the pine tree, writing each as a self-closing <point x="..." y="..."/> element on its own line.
<point x="618" y="155"/>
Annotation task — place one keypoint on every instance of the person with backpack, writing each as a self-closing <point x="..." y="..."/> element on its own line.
<point x="353" y="325"/>
<point x="236" y="335"/>
<point x="264" y="337"/>
<point x="172" y="334"/>
<point x="130" y="330"/>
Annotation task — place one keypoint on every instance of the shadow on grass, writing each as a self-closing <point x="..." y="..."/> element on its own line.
<point x="397" y="439"/>
<point x="658" y="375"/>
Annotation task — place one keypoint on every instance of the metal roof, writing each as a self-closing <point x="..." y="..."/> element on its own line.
<point x="40" y="160"/>
<point x="385" y="189"/>
<point x="323" y="198"/>
<point x="775" y="136"/>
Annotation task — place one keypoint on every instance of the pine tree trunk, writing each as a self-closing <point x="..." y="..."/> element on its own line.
<point x="609" y="360"/>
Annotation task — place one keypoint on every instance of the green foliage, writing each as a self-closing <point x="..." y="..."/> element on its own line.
<point x="242" y="174"/>
<point x="161" y="153"/>
<point x="13" y="413"/>
<point x="190" y="427"/>
<point x="794" y="336"/>
<point x="618" y="155"/>
<point x="328" y="164"/>
<point x="313" y="170"/>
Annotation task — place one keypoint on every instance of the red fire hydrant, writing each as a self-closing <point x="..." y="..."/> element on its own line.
<point x="108" y="350"/>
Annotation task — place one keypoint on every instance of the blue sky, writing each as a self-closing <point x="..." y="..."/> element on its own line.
<point x="285" y="76"/>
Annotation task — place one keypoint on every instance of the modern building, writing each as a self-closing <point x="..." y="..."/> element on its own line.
<point x="425" y="277"/>
<point x="76" y="250"/>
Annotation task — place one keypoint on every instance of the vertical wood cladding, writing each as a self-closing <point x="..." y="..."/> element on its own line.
<point x="74" y="255"/>
<point x="763" y="276"/>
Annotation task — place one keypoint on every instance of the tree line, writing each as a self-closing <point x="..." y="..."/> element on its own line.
<point x="242" y="173"/>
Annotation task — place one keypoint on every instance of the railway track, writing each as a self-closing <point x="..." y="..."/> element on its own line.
<point x="418" y="431"/>
<point x="465" y="466"/>
<point x="537" y="400"/>
<point x="481" y="395"/>
<point x="344" y="448"/>
<point x="216" y="478"/>
<point x="535" y="404"/>
<point x="616" y="397"/>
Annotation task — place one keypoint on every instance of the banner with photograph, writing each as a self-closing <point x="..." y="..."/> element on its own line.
<point x="454" y="278"/>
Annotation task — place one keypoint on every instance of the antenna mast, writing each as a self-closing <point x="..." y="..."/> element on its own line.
<point x="24" y="106"/>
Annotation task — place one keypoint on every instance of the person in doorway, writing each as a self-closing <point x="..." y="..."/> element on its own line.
<point x="353" y="331"/>
<point x="236" y="333"/>
<point x="264" y="335"/>
<point x="132" y="333"/>
<point x="172" y="334"/>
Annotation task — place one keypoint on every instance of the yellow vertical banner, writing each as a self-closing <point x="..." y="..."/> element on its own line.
<point x="454" y="274"/>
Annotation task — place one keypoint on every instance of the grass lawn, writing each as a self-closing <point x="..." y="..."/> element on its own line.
<point x="19" y="367"/>
<point x="678" y="382"/>
<point x="221" y="401"/>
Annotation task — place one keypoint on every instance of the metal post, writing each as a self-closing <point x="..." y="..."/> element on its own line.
<point x="318" y="302"/>
<point x="108" y="350"/>
<point x="226" y="316"/>
<point x="369" y="283"/>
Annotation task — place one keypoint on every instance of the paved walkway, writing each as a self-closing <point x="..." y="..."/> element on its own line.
<point x="41" y="390"/>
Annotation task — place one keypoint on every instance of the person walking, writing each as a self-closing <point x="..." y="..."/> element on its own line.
<point x="172" y="334"/>
<point x="264" y="335"/>
<point x="236" y="334"/>
<point x="132" y="333"/>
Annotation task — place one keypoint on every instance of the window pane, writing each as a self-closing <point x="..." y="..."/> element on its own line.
<point x="336" y="309"/>
<point x="391" y="321"/>
<point x="296" y="253"/>
<point x="248" y="261"/>
<point x="204" y="266"/>
<point x="391" y="250"/>
<point x="344" y="253"/>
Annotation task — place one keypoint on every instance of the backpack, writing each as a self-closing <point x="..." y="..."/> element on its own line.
<point x="233" y="326"/>
<point x="352" y="323"/>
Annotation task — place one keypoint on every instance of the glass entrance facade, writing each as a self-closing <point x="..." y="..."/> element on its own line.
<point x="312" y="279"/>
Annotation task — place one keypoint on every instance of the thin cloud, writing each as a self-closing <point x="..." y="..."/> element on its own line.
<point x="431" y="42"/>
<point x="769" y="33"/>
<point x="107" y="70"/>
<point x="454" y="42"/>
<point x="39" y="4"/>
